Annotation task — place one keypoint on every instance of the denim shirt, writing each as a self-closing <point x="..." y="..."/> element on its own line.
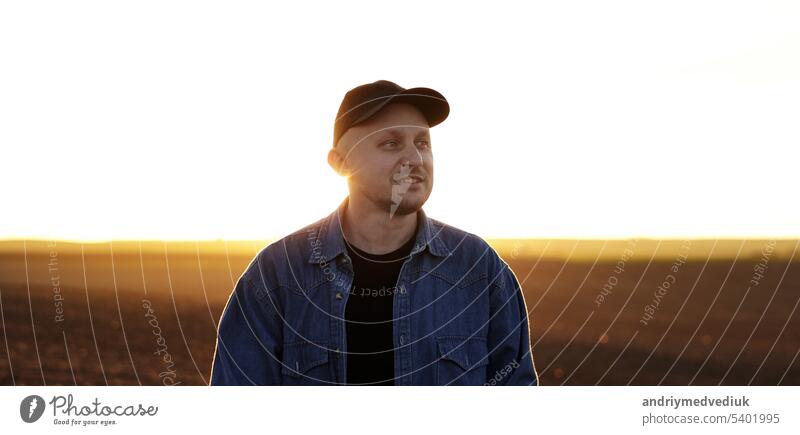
<point x="459" y="313"/>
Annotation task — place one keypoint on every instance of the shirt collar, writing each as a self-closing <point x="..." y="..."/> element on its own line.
<point x="332" y="239"/>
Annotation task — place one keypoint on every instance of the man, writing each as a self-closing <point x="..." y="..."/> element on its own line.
<point x="377" y="293"/>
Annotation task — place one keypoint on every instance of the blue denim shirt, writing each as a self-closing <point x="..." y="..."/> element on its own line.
<point x="459" y="314"/>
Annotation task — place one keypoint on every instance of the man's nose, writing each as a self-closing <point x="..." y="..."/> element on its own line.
<point x="412" y="156"/>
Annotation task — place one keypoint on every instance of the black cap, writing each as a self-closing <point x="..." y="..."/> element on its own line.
<point x="362" y="102"/>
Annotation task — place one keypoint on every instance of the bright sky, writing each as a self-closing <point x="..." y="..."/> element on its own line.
<point x="200" y="120"/>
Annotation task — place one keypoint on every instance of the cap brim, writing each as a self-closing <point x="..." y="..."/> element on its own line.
<point x="431" y="103"/>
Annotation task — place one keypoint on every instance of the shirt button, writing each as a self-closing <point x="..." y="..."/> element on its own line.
<point x="338" y="295"/>
<point x="402" y="339"/>
<point x="402" y="290"/>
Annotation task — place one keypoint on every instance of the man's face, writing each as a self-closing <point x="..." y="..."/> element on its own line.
<point x="388" y="159"/>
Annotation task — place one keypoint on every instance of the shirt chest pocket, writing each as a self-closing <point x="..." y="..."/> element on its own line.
<point x="306" y="363"/>
<point x="462" y="360"/>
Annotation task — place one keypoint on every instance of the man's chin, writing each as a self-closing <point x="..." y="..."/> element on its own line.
<point x="408" y="205"/>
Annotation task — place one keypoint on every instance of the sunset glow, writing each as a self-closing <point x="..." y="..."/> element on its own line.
<point x="151" y="131"/>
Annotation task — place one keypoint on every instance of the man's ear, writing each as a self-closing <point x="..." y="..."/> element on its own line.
<point x="336" y="161"/>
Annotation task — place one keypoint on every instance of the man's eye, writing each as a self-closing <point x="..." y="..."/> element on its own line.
<point x="390" y="144"/>
<point x="423" y="144"/>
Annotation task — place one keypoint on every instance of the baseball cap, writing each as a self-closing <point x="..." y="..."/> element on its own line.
<point x="362" y="102"/>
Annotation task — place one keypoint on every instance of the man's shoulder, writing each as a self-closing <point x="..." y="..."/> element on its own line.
<point x="470" y="258"/>
<point x="463" y="244"/>
<point x="449" y="233"/>
<point x="287" y="253"/>
<point x="295" y="243"/>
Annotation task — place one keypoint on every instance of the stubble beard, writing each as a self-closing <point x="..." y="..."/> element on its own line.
<point x="396" y="202"/>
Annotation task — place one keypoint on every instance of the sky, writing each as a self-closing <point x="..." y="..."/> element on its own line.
<point x="212" y="120"/>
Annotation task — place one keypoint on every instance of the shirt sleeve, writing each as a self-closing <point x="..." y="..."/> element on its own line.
<point x="510" y="357"/>
<point x="248" y="337"/>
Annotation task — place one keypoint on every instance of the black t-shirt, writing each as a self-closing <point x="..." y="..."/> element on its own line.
<point x="368" y="315"/>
